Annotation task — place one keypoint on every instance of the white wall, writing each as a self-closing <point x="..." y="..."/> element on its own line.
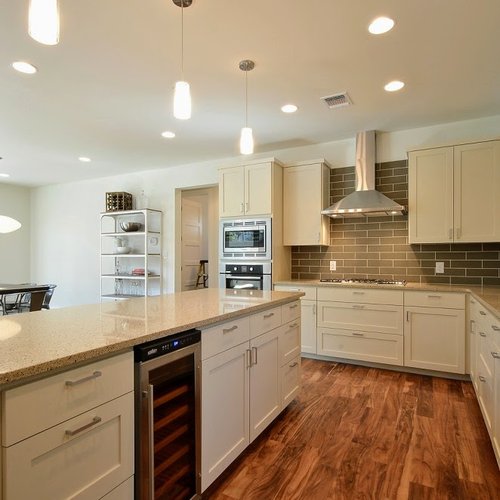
<point x="15" y="247"/>
<point x="65" y="218"/>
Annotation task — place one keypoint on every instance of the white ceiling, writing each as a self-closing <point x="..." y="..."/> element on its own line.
<point x="106" y="90"/>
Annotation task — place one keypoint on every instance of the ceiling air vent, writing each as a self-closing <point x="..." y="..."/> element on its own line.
<point x="337" y="100"/>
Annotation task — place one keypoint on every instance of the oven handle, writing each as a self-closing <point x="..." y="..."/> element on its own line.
<point x="252" y="276"/>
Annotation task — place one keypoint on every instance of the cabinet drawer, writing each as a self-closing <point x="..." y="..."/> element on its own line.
<point x="289" y="341"/>
<point x="361" y="295"/>
<point x="124" y="491"/>
<point x="88" y="464"/>
<point x="486" y="393"/>
<point x="290" y="381"/>
<point x="363" y="317"/>
<point x="221" y="337"/>
<point x="310" y="291"/>
<point x="363" y="346"/>
<point x="54" y="399"/>
<point x="265" y="321"/>
<point x="291" y="311"/>
<point x="486" y="345"/>
<point x="435" y="299"/>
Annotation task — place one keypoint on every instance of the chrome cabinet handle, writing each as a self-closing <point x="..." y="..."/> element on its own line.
<point x="268" y="315"/>
<point x="293" y="307"/>
<point x="71" y="383"/>
<point x="95" y="421"/>
<point x="472" y="301"/>
<point x="358" y="293"/>
<point x="358" y="306"/>
<point x="248" y="355"/>
<point x="482" y="313"/>
<point x="495" y="355"/>
<point x="358" y="334"/>
<point x="246" y="206"/>
<point x="314" y="309"/>
<point x="407" y="315"/>
<point x="482" y="334"/>
<point x="242" y="209"/>
<point x="293" y="325"/>
<point x="232" y="329"/>
<point x="293" y="365"/>
<point x="254" y="355"/>
<point x="495" y="328"/>
<point x="434" y="296"/>
<point x="481" y="378"/>
<point x="459" y="233"/>
<point x="450" y="233"/>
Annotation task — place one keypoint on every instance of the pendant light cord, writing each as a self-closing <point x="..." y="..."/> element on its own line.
<point x="182" y="39"/>
<point x="246" y="98"/>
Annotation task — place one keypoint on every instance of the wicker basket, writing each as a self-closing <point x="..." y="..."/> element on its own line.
<point x="118" y="201"/>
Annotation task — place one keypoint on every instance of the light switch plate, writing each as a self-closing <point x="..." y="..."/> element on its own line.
<point x="333" y="265"/>
<point x="439" y="267"/>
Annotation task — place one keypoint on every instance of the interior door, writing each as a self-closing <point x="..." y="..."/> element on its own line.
<point x="191" y="236"/>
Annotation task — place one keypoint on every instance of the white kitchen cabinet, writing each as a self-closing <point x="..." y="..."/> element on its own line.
<point x="307" y="315"/>
<point x="249" y="190"/>
<point x="306" y="191"/>
<point x="79" y="445"/>
<point x="243" y="382"/>
<point x="139" y="271"/>
<point x="473" y="335"/>
<point x="434" y="335"/>
<point x="453" y="194"/>
<point x="496" y="390"/>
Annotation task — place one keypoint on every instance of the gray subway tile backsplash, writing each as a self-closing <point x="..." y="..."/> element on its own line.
<point x="378" y="247"/>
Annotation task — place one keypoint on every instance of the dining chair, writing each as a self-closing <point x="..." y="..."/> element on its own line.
<point x="13" y="305"/>
<point x="48" y="296"/>
<point x="35" y="303"/>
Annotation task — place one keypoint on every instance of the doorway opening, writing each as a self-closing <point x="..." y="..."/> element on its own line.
<point x="197" y="218"/>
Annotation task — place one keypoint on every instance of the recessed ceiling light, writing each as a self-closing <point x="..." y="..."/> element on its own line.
<point x="289" y="108"/>
<point x="84" y="159"/>
<point x="381" y="25"/>
<point x="394" y="86"/>
<point x="167" y="134"/>
<point x="4" y="175"/>
<point x="24" y="67"/>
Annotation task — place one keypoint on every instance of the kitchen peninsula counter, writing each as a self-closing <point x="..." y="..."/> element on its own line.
<point x="489" y="296"/>
<point x="35" y="344"/>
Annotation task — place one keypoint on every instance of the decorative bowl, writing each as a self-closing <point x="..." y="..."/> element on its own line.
<point x="130" y="227"/>
<point x="123" y="249"/>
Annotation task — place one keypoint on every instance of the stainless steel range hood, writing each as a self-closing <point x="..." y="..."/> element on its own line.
<point x="366" y="200"/>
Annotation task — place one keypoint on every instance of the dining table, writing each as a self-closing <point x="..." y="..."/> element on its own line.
<point x="12" y="289"/>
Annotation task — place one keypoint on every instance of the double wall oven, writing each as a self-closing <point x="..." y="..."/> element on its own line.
<point x="245" y="254"/>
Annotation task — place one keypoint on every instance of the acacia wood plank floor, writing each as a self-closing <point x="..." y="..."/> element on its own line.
<point x="365" y="433"/>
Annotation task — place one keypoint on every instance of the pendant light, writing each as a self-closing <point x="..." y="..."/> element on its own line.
<point x="43" y="21"/>
<point x="182" y="94"/>
<point x="8" y="224"/>
<point x="246" y="139"/>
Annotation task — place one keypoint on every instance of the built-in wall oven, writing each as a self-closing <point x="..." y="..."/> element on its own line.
<point x="168" y="418"/>
<point x="245" y="276"/>
<point x="247" y="239"/>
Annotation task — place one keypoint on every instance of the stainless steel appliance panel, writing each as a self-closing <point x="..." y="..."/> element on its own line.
<point x="246" y="239"/>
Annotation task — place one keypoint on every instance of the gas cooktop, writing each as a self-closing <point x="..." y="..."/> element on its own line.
<point x="364" y="281"/>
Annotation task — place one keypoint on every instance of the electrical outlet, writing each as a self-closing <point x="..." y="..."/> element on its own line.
<point x="439" y="267"/>
<point x="333" y="265"/>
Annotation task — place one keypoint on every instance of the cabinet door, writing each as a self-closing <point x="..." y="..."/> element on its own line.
<point x="290" y="381"/>
<point x="476" y="192"/>
<point x="473" y="352"/>
<point x="430" y="197"/>
<point x="265" y="390"/>
<point x="258" y="189"/>
<point x="88" y="464"/>
<point x="434" y="339"/>
<point x="305" y="194"/>
<point x="232" y="192"/>
<point x="496" y="390"/>
<point x="224" y="406"/>
<point x="308" y="326"/>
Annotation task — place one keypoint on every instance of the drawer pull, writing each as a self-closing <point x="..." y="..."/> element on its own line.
<point x="495" y="328"/>
<point x="95" y="421"/>
<point x="358" y="293"/>
<point x="293" y="325"/>
<point x="481" y="378"/>
<point x="232" y="329"/>
<point x="482" y="313"/>
<point x="358" y="306"/>
<point x="293" y="307"/>
<point x="293" y="365"/>
<point x="254" y="355"/>
<point x="495" y="355"/>
<point x="482" y="334"/>
<point x="358" y="334"/>
<point x="248" y="355"/>
<point x="71" y="383"/>
<point x="268" y="315"/>
<point x="434" y="296"/>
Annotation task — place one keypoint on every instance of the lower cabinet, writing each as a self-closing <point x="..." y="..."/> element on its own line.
<point x="496" y="411"/>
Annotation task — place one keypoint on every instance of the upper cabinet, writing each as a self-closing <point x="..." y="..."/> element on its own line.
<point x="453" y="194"/>
<point x="249" y="190"/>
<point x="306" y="191"/>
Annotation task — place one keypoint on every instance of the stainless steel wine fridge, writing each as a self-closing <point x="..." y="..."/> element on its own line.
<point x="168" y="418"/>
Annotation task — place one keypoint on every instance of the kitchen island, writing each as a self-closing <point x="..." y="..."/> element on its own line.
<point x="67" y="383"/>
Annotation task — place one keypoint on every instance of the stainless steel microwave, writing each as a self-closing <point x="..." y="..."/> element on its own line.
<point x="246" y="238"/>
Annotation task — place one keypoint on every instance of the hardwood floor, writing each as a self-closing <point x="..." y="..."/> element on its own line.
<point x="364" y="433"/>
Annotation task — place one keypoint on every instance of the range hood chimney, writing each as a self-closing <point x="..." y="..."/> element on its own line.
<point x="366" y="200"/>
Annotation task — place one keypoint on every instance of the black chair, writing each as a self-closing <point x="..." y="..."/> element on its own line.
<point x="13" y="305"/>
<point x="35" y="302"/>
<point x="48" y="296"/>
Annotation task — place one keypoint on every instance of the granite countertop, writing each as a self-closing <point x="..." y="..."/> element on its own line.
<point x="489" y="296"/>
<point x="39" y="342"/>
